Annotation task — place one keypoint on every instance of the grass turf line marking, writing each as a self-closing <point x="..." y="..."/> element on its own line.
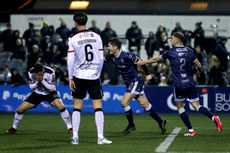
<point x="165" y="144"/>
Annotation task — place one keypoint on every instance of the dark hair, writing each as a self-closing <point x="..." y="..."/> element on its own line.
<point x="38" y="67"/>
<point x="179" y="36"/>
<point x="115" y="42"/>
<point x="199" y="24"/>
<point x="80" y="17"/>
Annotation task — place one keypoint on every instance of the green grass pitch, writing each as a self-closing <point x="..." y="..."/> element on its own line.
<point x="46" y="133"/>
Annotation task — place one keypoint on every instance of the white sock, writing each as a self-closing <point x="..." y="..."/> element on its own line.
<point x="17" y="119"/>
<point x="66" y="118"/>
<point x="148" y="107"/>
<point x="127" y="108"/>
<point x="76" y="118"/>
<point x="99" y="120"/>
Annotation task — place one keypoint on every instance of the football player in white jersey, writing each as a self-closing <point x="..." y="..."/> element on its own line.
<point x="42" y="82"/>
<point x="85" y="62"/>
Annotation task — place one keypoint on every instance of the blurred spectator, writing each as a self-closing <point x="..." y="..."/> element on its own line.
<point x="63" y="31"/>
<point x="94" y="28"/>
<point x="169" y="76"/>
<point x="107" y="33"/>
<point x="47" y="50"/>
<point x="150" y="45"/>
<point x="64" y="78"/>
<point x="19" y="51"/>
<point x="52" y="33"/>
<point x="16" y="35"/>
<point x="219" y="49"/>
<point x="5" y="77"/>
<point x="33" y="57"/>
<point x="160" y="30"/>
<point x="198" y="35"/>
<point x="58" y="50"/>
<point x="134" y="36"/>
<point x="37" y="38"/>
<point x="155" y="80"/>
<point x="7" y="38"/>
<point x="58" y="73"/>
<point x="16" y="79"/>
<point x="110" y="72"/>
<point x="188" y="36"/>
<point x="28" y="35"/>
<point x="45" y="29"/>
<point x="178" y="28"/>
<point x="106" y="80"/>
<point x="162" y="81"/>
<point x="73" y="31"/>
<point x="162" y="43"/>
<point x="216" y="74"/>
<point x="202" y="58"/>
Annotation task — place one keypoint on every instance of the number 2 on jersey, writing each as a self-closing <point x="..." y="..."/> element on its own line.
<point x="183" y="62"/>
<point x="88" y="52"/>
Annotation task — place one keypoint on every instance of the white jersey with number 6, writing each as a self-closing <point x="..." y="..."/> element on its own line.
<point x="85" y="55"/>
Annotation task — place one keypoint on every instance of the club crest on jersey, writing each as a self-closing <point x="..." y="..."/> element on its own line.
<point x="122" y="60"/>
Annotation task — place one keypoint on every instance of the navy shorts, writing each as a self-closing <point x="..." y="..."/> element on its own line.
<point x="188" y="93"/>
<point x="92" y="86"/>
<point x="36" y="99"/>
<point x="136" y="88"/>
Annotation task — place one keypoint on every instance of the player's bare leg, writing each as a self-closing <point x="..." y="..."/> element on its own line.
<point x="19" y="115"/>
<point x="76" y="118"/>
<point x="99" y="120"/>
<point x="149" y="108"/>
<point x="196" y="105"/>
<point x="128" y="112"/>
<point x="64" y="113"/>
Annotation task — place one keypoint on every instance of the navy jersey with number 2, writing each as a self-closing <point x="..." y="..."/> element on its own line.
<point x="181" y="62"/>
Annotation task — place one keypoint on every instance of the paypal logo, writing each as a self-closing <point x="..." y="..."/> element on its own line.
<point x="6" y="95"/>
<point x="106" y="96"/>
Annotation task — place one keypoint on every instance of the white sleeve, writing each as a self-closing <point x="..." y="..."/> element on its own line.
<point x="49" y="83"/>
<point x="32" y="81"/>
<point x="70" y="59"/>
<point x="101" y="54"/>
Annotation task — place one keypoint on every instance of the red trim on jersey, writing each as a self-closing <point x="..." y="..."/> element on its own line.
<point x="52" y="83"/>
<point x="101" y="49"/>
<point x="70" y="51"/>
<point x="32" y="83"/>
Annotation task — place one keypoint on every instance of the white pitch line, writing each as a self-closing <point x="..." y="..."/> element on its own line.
<point x="165" y="144"/>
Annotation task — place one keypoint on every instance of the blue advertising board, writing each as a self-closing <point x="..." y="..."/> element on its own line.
<point x="216" y="99"/>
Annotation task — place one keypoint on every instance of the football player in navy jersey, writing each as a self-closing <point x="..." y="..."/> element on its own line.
<point x="182" y="59"/>
<point x="125" y="63"/>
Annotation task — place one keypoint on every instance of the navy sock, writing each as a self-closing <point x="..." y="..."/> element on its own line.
<point x="185" y="119"/>
<point x="154" y="115"/>
<point x="129" y="116"/>
<point x="205" y="111"/>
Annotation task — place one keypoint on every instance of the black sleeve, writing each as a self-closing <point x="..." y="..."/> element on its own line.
<point x="144" y="67"/>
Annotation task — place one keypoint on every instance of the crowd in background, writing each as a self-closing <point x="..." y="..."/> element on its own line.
<point x="50" y="46"/>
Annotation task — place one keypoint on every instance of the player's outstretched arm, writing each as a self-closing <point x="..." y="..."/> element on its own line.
<point x="151" y="60"/>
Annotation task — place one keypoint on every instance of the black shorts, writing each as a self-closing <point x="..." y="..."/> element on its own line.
<point x="92" y="86"/>
<point x="36" y="99"/>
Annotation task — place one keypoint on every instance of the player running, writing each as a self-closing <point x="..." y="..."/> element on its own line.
<point x="85" y="62"/>
<point x="125" y="62"/>
<point x="182" y="59"/>
<point x="42" y="82"/>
